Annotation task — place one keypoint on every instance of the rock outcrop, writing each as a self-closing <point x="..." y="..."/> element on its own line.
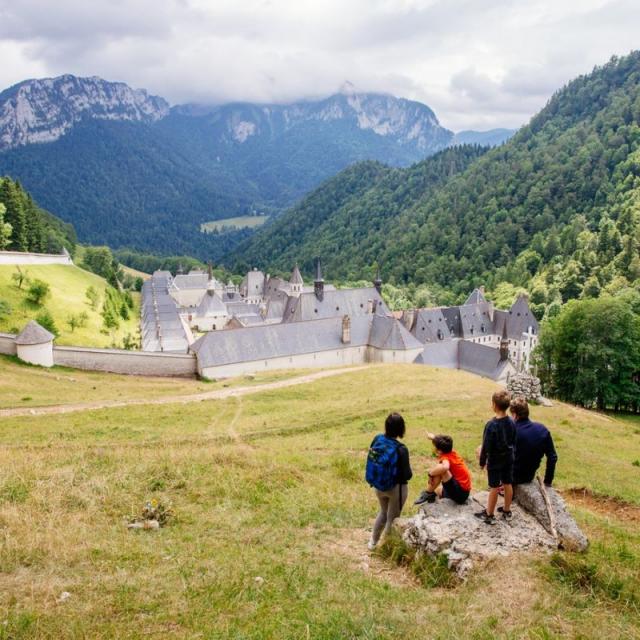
<point x="37" y="111"/>
<point x="450" y="529"/>
<point x="530" y="497"/>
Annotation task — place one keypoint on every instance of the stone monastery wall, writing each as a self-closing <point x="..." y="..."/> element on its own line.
<point x="7" y="344"/>
<point x="130" y="362"/>
<point x="18" y="257"/>
<point x="115" y="360"/>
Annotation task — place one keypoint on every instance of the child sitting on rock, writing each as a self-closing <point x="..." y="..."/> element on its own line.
<point x="450" y="478"/>
<point x="497" y="454"/>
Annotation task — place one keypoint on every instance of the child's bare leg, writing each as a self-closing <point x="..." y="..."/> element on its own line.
<point x="436" y="479"/>
<point x="492" y="501"/>
<point x="508" y="496"/>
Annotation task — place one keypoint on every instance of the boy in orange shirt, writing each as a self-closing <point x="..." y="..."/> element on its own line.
<point x="450" y="478"/>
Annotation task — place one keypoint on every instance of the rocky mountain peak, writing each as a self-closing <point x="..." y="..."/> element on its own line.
<point x="43" y="110"/>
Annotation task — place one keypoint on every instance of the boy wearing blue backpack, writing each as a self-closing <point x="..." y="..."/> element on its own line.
<point x="388" y="472"/>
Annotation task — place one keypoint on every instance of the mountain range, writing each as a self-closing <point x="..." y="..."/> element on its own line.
<point x="129" y="170"/>
<point x="555" y="209"/>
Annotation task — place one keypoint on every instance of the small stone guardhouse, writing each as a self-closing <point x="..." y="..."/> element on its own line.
<point x="34" y="344"/>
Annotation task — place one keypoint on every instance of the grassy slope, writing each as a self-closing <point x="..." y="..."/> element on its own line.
<point x="26" y="386"/>
<point x="271" y="485"/>
<point x="68" y="286"/>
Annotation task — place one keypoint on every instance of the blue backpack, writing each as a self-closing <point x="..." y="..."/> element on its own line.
<point x="382" y="463"/>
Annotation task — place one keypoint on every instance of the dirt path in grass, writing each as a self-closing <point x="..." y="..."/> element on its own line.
<point x="218" y="394"/>
<point x="611" y="507"/>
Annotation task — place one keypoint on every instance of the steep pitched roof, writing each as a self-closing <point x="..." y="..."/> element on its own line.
<point x="431" y="326"/>
<point x="296" y="277"/>
<point x="520" y="318"/>
<point x="210" y="305"/>
<point x="33" y="333"/>
<point x="339" y="302"/>
<point x="475" y="297"/>
<point x="388" y="333"/>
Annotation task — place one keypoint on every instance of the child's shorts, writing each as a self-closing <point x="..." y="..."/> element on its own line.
<point x="452" y="490"/>
<point x="500" y="475"/>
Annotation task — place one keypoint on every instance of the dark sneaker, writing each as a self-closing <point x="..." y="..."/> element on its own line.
<point x="506" y="515"/>
<point x="485" y="517"/>
<point x="481" y="514"/>
<point x="490" y="520"/>
<point x="426" y="496"/>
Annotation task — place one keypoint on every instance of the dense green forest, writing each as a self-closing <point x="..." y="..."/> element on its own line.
<point x="555" y="210"/>
<point x="26" y="227"/>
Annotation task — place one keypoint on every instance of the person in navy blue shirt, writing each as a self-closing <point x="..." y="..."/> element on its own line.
<point x="533" y="442"/>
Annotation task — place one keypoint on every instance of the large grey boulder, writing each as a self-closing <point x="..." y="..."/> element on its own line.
<point x="530" y="497"/>
<point x="453" y="530"/>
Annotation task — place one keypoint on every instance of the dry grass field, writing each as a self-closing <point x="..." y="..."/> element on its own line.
<point x="271" y="517"/>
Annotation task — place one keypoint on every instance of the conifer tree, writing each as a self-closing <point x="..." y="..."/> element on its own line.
<point x="5" y="229"/>
<point x="15" y="215"/>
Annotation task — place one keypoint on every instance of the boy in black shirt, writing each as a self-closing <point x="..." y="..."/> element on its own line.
<point x="497" y="454"/>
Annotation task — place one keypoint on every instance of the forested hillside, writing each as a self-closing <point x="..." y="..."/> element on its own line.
<point x="26" y="227"/>
<point x="555" y="209"/>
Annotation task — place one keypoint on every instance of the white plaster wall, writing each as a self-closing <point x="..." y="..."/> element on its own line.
<point x="41" y="354"/>
<point x="347" y="356"/>
<point x="18" y="257"/>
<point x="390" y="356"/>
<point x="206" y="324"/>
<point x="7" y="344"/>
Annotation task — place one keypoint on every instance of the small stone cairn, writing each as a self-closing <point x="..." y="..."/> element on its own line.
<point x="528" y="386"/>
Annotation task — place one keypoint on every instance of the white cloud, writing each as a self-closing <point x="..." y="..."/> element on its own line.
<point x="477" y="64"/>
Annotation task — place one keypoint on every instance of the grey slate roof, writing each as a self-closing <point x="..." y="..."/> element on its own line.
<point x="389" y="333"/>
<point x="161" y="328"/>
<point x="520" y="319"/>
<point x="211" y="305"/>
<point x="441" y="354"/>
<point x="430" y="325"/>
<point x="481" y="359"/>
<point x="475" y="297"/>
<point x="296" y="338"/>
<point x="339" y="302"/>
<point x="33" y="333"/>
<point x="192" y="280"/>
<point x="296" y="276"/>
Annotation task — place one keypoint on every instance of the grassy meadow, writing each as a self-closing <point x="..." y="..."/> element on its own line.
<point x="239" y="222"/>
<point x="68" y="286"/>
<point x="272" y="516"/>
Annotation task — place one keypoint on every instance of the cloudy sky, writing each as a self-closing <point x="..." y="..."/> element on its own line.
<point x="478" y="63"/>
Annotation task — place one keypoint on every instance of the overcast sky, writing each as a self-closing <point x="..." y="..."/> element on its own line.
<point x="478" y="63"/>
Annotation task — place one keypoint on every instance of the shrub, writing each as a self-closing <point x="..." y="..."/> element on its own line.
<point x="45" y="319"/>
<point x="38" y="291"/>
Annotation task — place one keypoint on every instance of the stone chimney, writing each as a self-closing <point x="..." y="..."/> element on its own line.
<point x="374" y="306"/>
<point x="346" y="330"/>
<point x="318" y="283"/>
<point x="369" y="306"/>
<point x="504" y="344"/>
<point x="409" y="318"/>
<point x="210" y="270"/>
